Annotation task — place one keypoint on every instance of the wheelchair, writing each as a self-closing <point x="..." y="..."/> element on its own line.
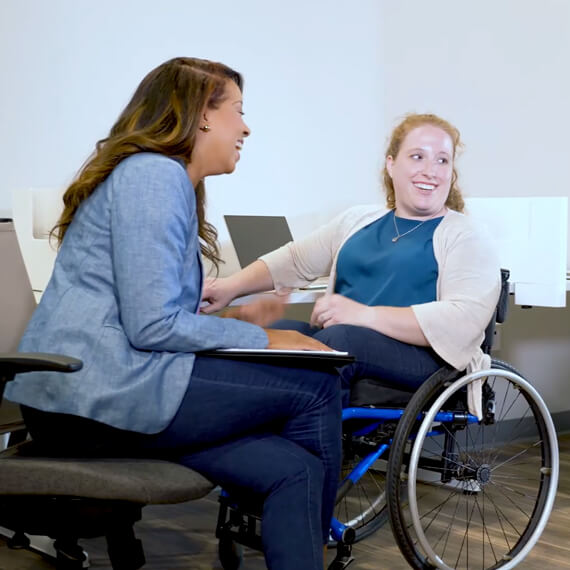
<point x="459" y="492"/>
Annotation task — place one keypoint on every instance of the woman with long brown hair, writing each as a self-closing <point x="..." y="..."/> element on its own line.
<point x="125" y="298"/>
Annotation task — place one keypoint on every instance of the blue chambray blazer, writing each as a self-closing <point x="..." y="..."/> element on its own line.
<point x="124" y="298"/>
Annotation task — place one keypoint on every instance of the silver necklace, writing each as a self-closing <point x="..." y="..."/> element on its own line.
<point x="398" y="234"/>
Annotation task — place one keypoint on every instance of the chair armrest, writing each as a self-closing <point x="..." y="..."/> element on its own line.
<point x="17" y="362"/>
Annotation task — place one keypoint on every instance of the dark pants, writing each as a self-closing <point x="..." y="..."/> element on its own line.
<point x="270" y="434"/>
<point x="377" y="356"/>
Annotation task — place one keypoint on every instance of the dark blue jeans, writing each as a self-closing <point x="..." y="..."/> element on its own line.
<point x="377" y="356"/>
<point x="267" y="434"/>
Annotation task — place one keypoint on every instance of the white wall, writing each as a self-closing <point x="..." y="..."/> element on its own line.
<point x="312" y="93"/>
<point x="499" y="71"/>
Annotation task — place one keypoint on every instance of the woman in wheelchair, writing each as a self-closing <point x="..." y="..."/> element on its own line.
<point x="467" y="472"/>
<point x="124" y="297"/>
<point x="413" y="284"/>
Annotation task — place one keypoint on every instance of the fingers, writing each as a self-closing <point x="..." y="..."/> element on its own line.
<point x="217" y="293"/>
<point x="325" y="320"/>
<point x="318" y="319"/>
<point x="208" y="308"/>
<point x="293" y="340"/>
<point x="322" y="311"/>
<point x="316" y="314"/>
<point x="208" y="286"/>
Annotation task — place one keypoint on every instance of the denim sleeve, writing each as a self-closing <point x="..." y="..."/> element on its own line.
<point x="153" y="221"/>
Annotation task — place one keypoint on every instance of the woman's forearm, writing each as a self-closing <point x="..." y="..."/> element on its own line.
<point x="254" y="278"/>
<point x="397" y="322"/>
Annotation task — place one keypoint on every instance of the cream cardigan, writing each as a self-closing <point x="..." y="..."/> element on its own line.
<point x="468" y="283"/>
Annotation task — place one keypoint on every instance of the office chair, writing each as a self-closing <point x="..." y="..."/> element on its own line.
<point x="70" y="498"/>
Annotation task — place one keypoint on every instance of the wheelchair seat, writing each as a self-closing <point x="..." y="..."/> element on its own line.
<point x="380" y="393"/>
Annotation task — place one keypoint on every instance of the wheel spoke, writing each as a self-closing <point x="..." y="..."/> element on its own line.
<point x="505" y="518"/>
<point x="485" y="530"/>
<point x="516" y="456"/>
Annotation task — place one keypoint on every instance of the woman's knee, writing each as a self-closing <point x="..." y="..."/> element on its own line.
<point x="339" y="337"/>
<point x="304" y="470"/>
<point x="327" y="389"/>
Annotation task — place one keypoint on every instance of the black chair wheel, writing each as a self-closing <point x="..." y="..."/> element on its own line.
<point x="18" y="541"/>
<point x="230" y="553"/>
<point x="126" y="555"/>
<point x="69" y="556"/>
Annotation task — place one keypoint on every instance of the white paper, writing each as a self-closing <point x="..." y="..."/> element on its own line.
<point x="282" y="351"/>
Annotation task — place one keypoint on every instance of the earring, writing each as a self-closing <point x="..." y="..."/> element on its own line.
<point x="205" y="128"/>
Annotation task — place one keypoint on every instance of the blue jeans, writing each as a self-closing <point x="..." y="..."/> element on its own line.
<point x="377" y="356"/>
<point x="269" y="434"/>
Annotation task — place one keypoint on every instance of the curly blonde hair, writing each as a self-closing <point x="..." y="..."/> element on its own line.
<point x="412" y="121"/>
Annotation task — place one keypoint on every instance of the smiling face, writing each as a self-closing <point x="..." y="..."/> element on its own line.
<point x="217" y="148"/>
<point x="421" y="173"/>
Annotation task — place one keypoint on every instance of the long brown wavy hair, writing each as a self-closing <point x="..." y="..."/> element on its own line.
<point x="162" y="116"/>
<point x="412" y="121"/>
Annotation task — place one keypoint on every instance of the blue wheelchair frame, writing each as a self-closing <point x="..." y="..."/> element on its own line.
<point x="339" y="531"/>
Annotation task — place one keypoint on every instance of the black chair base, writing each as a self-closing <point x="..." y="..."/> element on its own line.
<point x="67" y="519"/>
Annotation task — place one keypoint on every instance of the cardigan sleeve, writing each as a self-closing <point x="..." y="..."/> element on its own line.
<point x="300" y="262"/>
<point x="468" y="292"/>
<point x="297" y="263"/>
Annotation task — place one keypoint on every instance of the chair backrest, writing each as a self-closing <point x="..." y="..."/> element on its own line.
<point x="35" y="212"/>
<point x="16" y="297"/>
<point x="17" y="304"/>
<point x="500" y="314"/>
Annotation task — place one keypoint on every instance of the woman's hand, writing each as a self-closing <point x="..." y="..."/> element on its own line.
<point x="293" y="340"/>
<point x="336" y="309"/>
<point x="396" y="322"/>
<point x="263" y="311"/>
<point x="219" y="292"/>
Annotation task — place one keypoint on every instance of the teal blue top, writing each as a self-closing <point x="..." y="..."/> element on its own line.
<point x="375" y="270"/>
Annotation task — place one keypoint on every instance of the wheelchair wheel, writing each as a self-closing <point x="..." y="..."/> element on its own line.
<point x="230" y="554"/>
<point x="363" y="505"/>
<point x="479" y="493"/>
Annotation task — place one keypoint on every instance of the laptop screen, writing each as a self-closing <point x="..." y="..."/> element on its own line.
<point x="253" y="236"/>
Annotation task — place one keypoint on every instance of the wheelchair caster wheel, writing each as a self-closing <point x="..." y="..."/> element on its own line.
<point x="18" y="541"/>
<point x="340" y="564"/>
<point x="343" y="556"/>
<point x="230" y="554"/>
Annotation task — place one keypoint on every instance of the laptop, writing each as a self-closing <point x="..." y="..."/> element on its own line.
<point x="254" y="236"/>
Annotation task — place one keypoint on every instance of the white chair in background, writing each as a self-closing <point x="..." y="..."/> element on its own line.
<point x="35" y="211"/>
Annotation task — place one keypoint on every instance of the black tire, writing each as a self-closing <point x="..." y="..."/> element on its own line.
<point x="491" y="505"/>
<point x="396" y="487"/>
<point x="230" y="553"/>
